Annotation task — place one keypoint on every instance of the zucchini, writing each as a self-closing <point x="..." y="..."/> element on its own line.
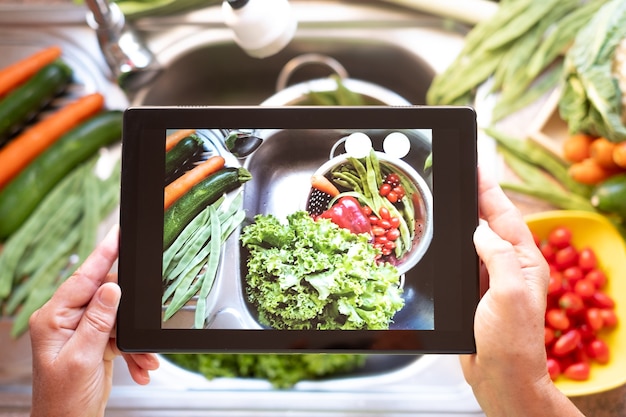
<point x="21" y="196"/>
<point x="197" y="198"/>
<point x="610" y="195"/>
<point x="21" y="104"/>
<point x="182" y="152"/>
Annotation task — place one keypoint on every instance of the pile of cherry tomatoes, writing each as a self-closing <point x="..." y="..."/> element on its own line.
<point x="578" y="308"/>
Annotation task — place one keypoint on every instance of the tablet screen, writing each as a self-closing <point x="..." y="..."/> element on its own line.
<point x="298" y="229"/>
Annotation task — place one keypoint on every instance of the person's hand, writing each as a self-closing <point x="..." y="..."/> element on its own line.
<point x="508" y="373"/>
<point x="73" y="344"/>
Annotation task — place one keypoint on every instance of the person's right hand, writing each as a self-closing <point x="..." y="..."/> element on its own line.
<point x="508" y="373"/>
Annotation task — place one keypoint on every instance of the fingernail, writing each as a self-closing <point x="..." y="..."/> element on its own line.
<point x="109" y="294"/>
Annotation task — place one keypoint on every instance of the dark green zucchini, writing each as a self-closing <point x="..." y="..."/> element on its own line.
<point x="206" y="192"/>
<point x="610" y="195"/>
<point x="21" y="104"/>
<point x="22" y="195"/>
<point x="183" y="151"/>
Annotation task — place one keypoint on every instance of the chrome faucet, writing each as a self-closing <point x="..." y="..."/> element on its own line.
<point x="133" y="65"/>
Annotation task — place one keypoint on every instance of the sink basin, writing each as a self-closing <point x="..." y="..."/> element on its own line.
<point x="396" y="50"/>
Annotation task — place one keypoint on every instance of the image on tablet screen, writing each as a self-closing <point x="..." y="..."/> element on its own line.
<point x="298" y="229"/>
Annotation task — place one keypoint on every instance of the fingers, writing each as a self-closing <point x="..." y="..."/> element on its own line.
<point x="92" y="334"/>
<point x="139" y="364"/>
<point x="77" y="290"/>
<point x="501" y="214"/>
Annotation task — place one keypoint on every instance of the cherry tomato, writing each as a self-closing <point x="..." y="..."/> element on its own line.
<point x="384" y="213"/>
<point x="554" y="368"/>
<point x="395" y="222"/>
<point x="384" y="189"/>
<point x="392" y="179"/>
<point x="399" y="190"/>
<point x="560" y="237"/>
<point x="598" y="278"/>
<point x="602" y="300"/>
<point x="392" y="196"/>
<point x="384" y="223"/>
<point x="572" y="303"/>
<point x="585" y="288"/>
<point x="573" y="274"/>
<point x="578" y="371"/>
<point x="593" y="317"/>
<point x="587" y="259"/>
<point x="393" y="234"/>
<point x="565" y="257"/>
<point x="557" y="319"/>
<point x="598" y="349"/>
<point x="548" y="251"/>
<point x="367" y="210"/>
<point x="567" y="343"/>
<point x="609" y="318"/>
<point x="548" y="335"/>
<point x="556" y="282"/>
<point x="378" y="231"/>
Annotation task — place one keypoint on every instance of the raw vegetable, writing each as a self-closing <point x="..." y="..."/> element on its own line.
<point x="321" y="183"/>
<point x="610" y="196"/>
<point x="518" y="49"/>
<point x="15" y="74"/>
<point x="206" y="192"/>
<point x="21" y="196"/>
<point x="190" y="263"/>
<point x="307" y="274"/>
<point x="181" y="185"/>
<point x="579" y="313"/>
<point x="184" y="151"/>
<point x="282" y="371"/>
<point x="592" y="99"/>
<point x="173" y="138"/>
<point x="27" y="99"/>
<point x="18" y="153"/>
<point x="54" y="240"/>
<point x="347" y="213"/>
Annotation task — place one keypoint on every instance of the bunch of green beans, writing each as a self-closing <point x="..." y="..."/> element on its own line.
<point x="519" y="49"/>
<point x="55" y="239"/>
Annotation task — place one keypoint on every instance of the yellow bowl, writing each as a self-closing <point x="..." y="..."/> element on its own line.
<point x="595" y="231"/>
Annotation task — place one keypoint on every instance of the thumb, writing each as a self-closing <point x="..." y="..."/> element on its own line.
<point x="94" y="330"/>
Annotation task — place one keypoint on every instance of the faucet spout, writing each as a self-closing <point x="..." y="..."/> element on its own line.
<point x="133" y="65"/>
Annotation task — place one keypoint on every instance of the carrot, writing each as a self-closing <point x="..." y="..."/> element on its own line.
<point x="602" y="151"/>
<point x="323" y="184"/>
<point x="577" y="147"/>
<point x="15" y="74"/>
<point x="619" y="154"/>
<point x="25" y="147"/>
<point x="173" y="138"/>
<point x="181" y="185"/>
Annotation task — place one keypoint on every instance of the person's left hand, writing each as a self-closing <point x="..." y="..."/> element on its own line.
<point x="73" y="342"/>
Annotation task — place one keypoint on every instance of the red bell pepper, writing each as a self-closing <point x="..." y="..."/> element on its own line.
<point x="347" y="213"/>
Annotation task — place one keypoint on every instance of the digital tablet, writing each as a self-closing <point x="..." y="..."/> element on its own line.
<point x="298" y="229"/>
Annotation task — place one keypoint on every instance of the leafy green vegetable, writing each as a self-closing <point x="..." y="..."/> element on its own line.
<point x="283" y="371"/>
<point x="313" y="274"/>
<point x="592" y="100"/>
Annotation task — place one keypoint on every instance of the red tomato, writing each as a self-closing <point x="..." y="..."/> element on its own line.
<point x="554" y="368"/>
<point x="578" y="371"/>
<point x="609" y="318"/>
<point x="560" y="237"/>
<point x="548" y="251"/>
<point x="384" y="189"/>
<point x="573" y="274"/>
<point x="602" y="300"/>
<point x="565" y="257"/>
<point x="572" y="303"/>
<point x="585" y="288"/>
<point x="587" y="259"/>
<point x="599" y="350"/>
<point x="593" y="317"/>
<point x="557" y="319"/>
<point x="567" y="343"/>
<point x="598" y="278"/>
<point x="556" y="282"/>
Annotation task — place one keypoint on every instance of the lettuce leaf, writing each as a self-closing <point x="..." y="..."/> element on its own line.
<point x="309" y="274"/>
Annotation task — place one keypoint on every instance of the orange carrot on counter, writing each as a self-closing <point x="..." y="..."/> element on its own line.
<point x="181" y="185"/>
<point x="25" y="147"/>
<point x="176" y="137"/>
<point x="14" y="74"/>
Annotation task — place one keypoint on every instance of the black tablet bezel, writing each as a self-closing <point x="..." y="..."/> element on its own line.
<point x="141" y="222"/>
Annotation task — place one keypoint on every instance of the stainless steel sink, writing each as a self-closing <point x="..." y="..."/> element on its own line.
<point x="391" y="47"/>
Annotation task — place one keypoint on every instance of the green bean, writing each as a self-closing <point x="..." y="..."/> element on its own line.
<point x="38" y="297"/>
<point x="362" y="173"/>
<point x="194" y="244"/>
<point x="88" y="225"/>
<point x="347" y="181"/>
<point x="208" y="277"/>
<point x="563" y="200"/>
